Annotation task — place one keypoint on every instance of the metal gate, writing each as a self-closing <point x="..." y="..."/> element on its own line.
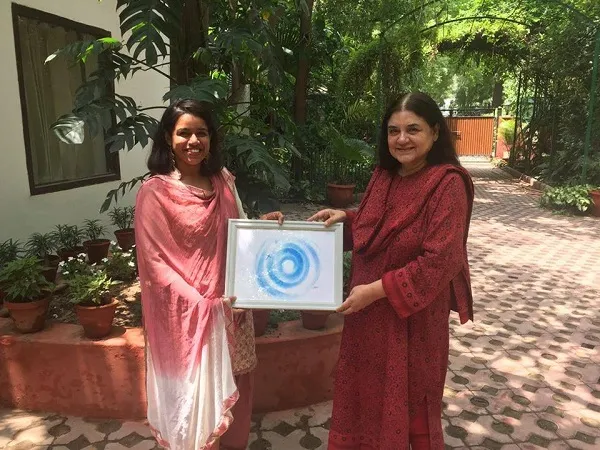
<point x="473" y="136"/>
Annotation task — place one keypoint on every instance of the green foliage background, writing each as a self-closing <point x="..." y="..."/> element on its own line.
<point x="249" y="59"/>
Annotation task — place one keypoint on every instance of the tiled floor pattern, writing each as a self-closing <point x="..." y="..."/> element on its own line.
<point x="525" y="375"/>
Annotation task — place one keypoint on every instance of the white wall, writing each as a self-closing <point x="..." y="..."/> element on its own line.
<point x="21" y="213"/>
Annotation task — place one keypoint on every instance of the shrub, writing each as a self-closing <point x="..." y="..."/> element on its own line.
<point x="569" y="199"/>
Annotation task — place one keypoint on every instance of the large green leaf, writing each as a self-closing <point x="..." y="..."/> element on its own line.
<point x="203" y="89"/>
<point x="256" y="158"/>
<point x="69" y="129"/>
<point x="348" y="148"/>
<point x="113" y="195"/>
<point x="149" y="25"/>
<point x="98" y="114"/>
<point x="132" y="131"/>
<point x="81" y="50"/>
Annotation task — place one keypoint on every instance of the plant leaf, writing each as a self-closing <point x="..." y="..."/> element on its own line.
<point x="69" y="129"/>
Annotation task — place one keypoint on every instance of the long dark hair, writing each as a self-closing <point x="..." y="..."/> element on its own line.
<point x="442" y="151"/>
<point x="160" y="160"/>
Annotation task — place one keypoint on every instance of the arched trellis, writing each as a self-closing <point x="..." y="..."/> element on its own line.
<point x="570" y="8"/>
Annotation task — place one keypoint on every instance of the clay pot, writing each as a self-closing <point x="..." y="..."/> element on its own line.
<point x="49" y="273"/>
<point x="595" y="208"/>
<point x="53" y="260"/>
<point x="340" y="195"/>
<point x="66" y="254"/>
<point x="96" y="250"/>
<point x="314" y="320"/>
<point x="3" y="311"/>
<point x="29" y="317"/>
<point x="96" y="320"/>
<point x="125" y="238"/>
<point x="261" y="320"/>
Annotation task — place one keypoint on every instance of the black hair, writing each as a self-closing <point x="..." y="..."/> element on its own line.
<point x="160" y="160"/>
<point x="421" y="104"/>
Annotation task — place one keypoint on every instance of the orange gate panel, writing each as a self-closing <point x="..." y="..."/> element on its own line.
<point x="473" y="136"/>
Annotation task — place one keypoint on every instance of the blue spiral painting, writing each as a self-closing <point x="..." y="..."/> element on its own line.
<point x="287" y="269"/>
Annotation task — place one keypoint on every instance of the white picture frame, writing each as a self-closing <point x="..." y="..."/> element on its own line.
<point x="294" y="266"/>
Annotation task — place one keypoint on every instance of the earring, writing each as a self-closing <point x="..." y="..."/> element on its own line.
<point x="174" y="166"/>
<point x="207" y="158"/>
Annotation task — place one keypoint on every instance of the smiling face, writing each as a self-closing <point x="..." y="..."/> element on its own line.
<point x="410" y="138"/>
<point x="190" y="141"/>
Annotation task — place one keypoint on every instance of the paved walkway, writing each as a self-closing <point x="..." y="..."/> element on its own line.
<point x="525" y="375"/>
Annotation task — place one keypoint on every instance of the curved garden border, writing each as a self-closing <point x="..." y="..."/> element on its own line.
<point x="58" y="370"/>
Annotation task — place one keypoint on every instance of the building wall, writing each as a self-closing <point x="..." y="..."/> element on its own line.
<point x="21" y="213"/>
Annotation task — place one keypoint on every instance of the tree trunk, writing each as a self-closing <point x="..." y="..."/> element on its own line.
<point x="301" y="87"/>
<point x="237" y="89"/>
<point x="498" y="95"/>
<point x="194" y="35"/>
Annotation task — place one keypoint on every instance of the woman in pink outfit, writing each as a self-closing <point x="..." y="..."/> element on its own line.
<point x="199" y="351"/>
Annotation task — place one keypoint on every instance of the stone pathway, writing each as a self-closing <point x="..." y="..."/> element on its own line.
<point x="525" y="375"/>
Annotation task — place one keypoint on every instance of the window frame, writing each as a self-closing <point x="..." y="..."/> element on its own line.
<point x="112" y="159"/>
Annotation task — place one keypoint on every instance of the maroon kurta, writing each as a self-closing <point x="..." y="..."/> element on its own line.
<point x="411" y="233"/>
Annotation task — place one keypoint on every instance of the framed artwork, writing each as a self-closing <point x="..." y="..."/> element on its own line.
<point x="297" y="265"/>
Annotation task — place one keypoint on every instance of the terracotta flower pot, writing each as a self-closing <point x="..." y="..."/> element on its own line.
<point x="51" y="267"/>
<point x="96" y="320"/>
<point x="261" y="320"/>
<point x="66" y="254"/>
<point x="314" y="320"/>
<point x="96" y="250"/>
<point x="125" y="238"/>
<point x="340" y="195"/>
<point x="29" y="317"/>
<point x="53" y="260"/>
<point x="595" y="208"/>
<point x="49" y="273"/>
<point x="3" y="311"/>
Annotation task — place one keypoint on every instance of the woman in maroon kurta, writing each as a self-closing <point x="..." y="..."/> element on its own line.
<point x="410" y="268"/>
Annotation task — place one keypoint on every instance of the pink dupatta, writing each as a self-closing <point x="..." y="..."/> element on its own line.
<point x="181" y="239"/>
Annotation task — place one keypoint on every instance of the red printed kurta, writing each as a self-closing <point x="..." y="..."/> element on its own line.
<point x="411" y="233"/>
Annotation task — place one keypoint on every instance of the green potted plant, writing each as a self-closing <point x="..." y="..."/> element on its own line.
<point x="122" y="218"/>
<point x="574" y="199"/>
<point x="75" y="265"/>
<point x="42" y="247"/>
<point x="95" y="247"/>
<point x="68" y="239"/>
<point x="121" y="265"/>
<point x="95" y="305"/>
<point x="340" y="191"/>
<point x="27" y="293"/>
<point x="595" y="206"/>
<point x="9" y="251"/>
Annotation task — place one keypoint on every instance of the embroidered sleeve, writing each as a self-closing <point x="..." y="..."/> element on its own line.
<point x="418" y="283"/>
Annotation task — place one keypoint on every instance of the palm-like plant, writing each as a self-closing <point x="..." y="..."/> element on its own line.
<point x="122" y="217"/>
<point x="68" y="237"/>
<point x="348" y="151"/>
<point x="93" y="230"/>
<point x="41" y="246"/>
<point x="9" y="251"/>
